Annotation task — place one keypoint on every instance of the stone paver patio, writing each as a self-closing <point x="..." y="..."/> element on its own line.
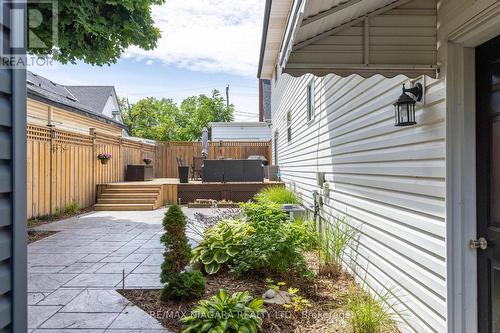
<point x="73" y="275"/>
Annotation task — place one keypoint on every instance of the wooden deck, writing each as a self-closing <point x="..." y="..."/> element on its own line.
<point x="149" y="195"/>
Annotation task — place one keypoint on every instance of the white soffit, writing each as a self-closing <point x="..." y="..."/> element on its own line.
<point x="275" y="24"/>
<point x="364" y="37"/>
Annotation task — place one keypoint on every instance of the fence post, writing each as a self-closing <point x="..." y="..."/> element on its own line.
<point x="270" y="153"/>
<point x="53" y="150"/>
<point x="121" y="161"/>
<point x="92" y="133"/>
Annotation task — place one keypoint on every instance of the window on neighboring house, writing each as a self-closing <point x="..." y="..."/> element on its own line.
<point x="289" y="126"/>
<point x="310" y="100"/>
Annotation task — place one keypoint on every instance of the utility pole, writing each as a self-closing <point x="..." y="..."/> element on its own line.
<point x="227" y="96"/>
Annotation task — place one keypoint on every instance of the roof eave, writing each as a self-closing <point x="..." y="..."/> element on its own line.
<point x="265" y="29"/>
<point x="39" y="97"/>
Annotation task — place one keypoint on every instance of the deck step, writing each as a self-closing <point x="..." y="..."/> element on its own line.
<point x="124" y="207"/>
<point x="125" y="185"/>
<point x="128" y="195"/>
<point x="132" y="190"/>
<point x="126" y="201"/>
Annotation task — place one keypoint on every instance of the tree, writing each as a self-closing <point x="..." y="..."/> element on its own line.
<point x="94" y="31"/>
<point x="197" y="112"/>
<point x="163" y="120"/>
<point x="151" y="118"/>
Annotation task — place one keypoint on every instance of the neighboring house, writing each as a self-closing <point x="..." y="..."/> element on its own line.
<point x="418" y="194"/>
<point x="102" y="99"/>
<point x="240" y="131"/>
<point x="73" y="108"/>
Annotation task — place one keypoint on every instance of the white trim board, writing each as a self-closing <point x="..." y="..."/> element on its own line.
<point x="461" y="169"/>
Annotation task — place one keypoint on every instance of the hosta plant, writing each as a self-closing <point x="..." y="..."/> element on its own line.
<point x="236" y="313"/>
<point x="221" y="243"/>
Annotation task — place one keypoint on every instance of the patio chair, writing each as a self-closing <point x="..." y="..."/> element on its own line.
<point x="197" y="167"/>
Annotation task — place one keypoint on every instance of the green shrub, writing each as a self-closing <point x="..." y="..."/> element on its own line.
<point x="221" y="243"/>
<point x="277" y="195"/>
<point x="367" y="315"/>
<point x="177" y="250"/>
<point x="306" y="234"/>
<point x="72" y="208"/>
<point x="223" y="313"/>
<point x="275" y="246"/>
<point x="335" y="238"/>
<point x="270" y="213"/>
<point x="266" y="240"/>
<point x="184" y="285"/>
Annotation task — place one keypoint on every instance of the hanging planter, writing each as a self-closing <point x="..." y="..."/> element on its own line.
<point x="104" y="157"/>
<point x="147" y="160"/>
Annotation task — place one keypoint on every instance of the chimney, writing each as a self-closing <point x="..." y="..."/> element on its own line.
<point x="261" y="101"/>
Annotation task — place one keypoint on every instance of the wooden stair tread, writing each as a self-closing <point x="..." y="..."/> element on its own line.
<point x="126" y="201"/>
<point x="124" y="207"/>
<point x="137" y="189"/>
<point x="131" y="194"/>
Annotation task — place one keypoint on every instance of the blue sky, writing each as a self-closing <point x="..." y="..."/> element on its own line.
<point x="205" y="45"/>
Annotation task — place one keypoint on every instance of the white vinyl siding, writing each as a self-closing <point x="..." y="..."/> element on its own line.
<point x="241" y="133"/>
<point x="404" y="36"/>
<point x="390" y="181"/>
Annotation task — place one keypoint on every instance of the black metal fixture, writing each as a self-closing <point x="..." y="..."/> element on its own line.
<point x="405" y="105"/>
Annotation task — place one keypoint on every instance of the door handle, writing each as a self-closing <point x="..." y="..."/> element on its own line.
<point x="481" y="244"/>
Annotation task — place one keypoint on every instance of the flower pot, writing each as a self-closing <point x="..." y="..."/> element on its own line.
<point x="104" y="160"/>
<point x="183" y="174"/>
<point x="147" y="163"/>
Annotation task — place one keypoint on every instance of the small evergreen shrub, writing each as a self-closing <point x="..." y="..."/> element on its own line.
<point x="177" y="250"/>
<point x="278" y="195"/>
<point x="224" y="313"/>
<point x="184" y="286"/>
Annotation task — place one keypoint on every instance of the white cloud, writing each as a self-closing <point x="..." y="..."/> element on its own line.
<point x="215" y="36"/>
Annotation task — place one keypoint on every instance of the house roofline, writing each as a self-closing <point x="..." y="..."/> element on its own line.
<point x="109" y="121"/>
<point x="265" y="28"/>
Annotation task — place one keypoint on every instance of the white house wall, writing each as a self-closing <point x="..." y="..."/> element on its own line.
<point x="242" y="133"/>
<point x="389" y="181"/>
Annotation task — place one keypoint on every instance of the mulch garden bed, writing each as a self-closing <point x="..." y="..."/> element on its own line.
<point x="34" y="235"/>
<point x="41" y="220"/>
<point x="327" y="314"/>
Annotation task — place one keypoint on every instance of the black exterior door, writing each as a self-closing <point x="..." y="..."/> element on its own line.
<point x="488" y="184"/>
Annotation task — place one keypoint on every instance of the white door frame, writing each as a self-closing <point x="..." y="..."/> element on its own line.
<point x="461" y="168"/>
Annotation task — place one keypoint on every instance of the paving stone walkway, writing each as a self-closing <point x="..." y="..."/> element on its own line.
<point x="73" y="275"/>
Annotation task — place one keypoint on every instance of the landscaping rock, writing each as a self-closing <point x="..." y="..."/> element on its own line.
<point x="273" y="297"/>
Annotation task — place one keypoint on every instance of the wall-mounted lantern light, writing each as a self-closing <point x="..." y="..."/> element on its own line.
<point x="405" y="105"/>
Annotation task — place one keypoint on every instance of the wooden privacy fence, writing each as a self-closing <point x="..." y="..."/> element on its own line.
<point x="167" y="152"/>
<point x="63" y="166"/>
